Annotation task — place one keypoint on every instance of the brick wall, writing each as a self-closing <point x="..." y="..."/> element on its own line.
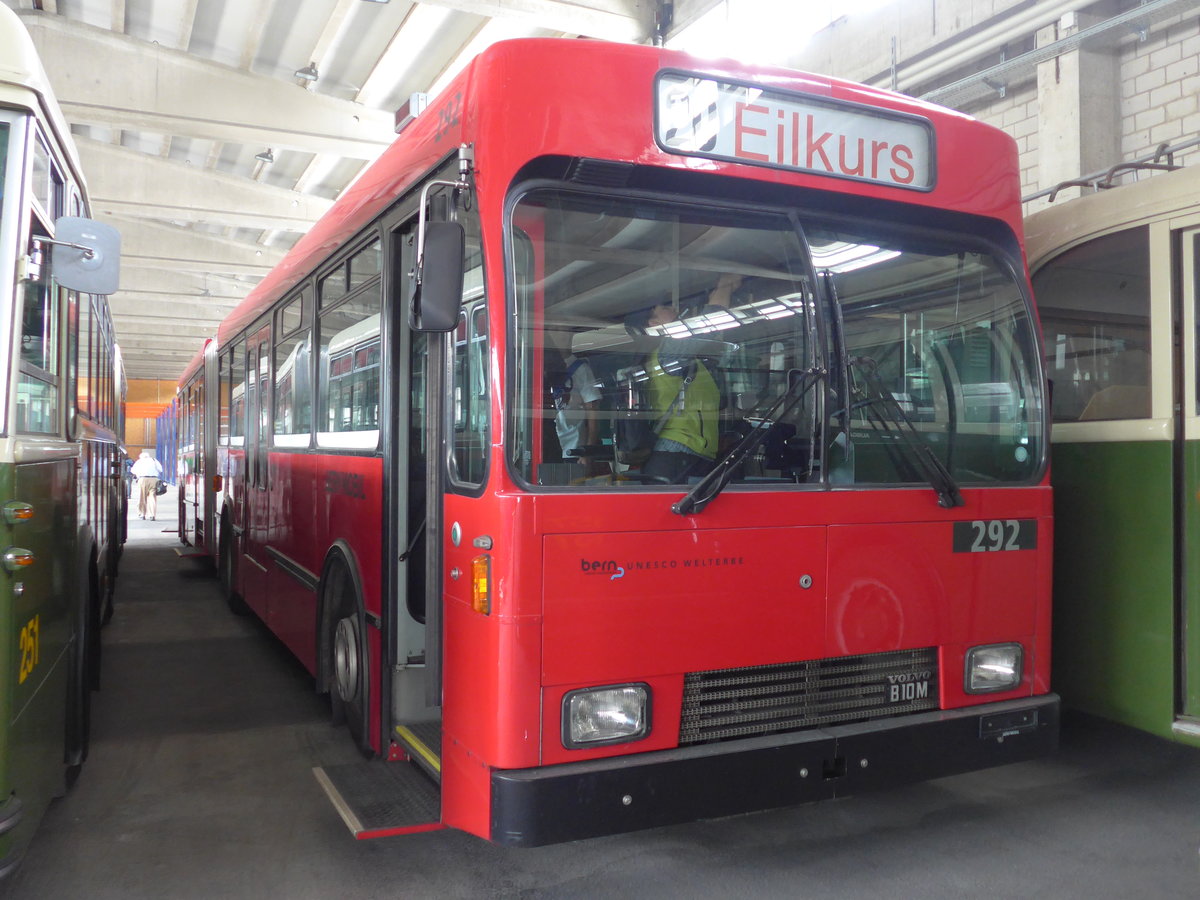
<point x="1017" y="113"/>
<point x="1160" y="84"/>
<point x="1159" y="89"/>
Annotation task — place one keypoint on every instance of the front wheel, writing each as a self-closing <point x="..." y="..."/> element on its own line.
<point x="347" y="660"/>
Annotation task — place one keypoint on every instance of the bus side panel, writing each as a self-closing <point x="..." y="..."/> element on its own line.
<point x="291" y="604"/>
<point x="1114" y="522"/>
<point x="38" y="632"/>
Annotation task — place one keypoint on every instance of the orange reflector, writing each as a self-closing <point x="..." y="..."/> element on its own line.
<point x="17" y="558"/>
<point x="216" y="484"/>
<point x="16" y="511"/>
<point x="481" y="584"/>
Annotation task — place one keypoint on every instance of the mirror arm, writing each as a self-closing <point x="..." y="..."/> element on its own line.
<point x="466" y="158"/>
<point x="88" y="252"/>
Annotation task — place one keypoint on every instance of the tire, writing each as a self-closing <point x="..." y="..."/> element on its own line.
<point x="347" y="661"/>
<point x="226" y="562"/>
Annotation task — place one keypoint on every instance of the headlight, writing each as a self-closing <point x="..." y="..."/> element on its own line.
<point x="994" y="667"/>
<point x="607" y="715"/>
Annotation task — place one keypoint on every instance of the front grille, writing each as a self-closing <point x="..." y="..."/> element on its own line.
<point x="733" y="703"/>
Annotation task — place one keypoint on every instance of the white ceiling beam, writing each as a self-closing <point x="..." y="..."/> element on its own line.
<point x="138" y="86"/>
<point x="615" y="20"/>
<point x="187" y="22"/>
<point x="148" y="327"/>
<point x="333" y="27"/>
<point x="127" y="183"/>
<point x="206" y="287"/>
<point x="419" y="28"/>
<point x="182" y="249"/>
<point x="132" y="306"/>
<point x="260" y="13"/>
<point x="160" y="342"/>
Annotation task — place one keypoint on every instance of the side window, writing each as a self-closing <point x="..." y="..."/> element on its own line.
<point x="237" y="395"/>
<point x="471" y="412"/>
<point x="349" y="375"/>
<point x="293" y="379"/>
<point x="37" y="385"/>
<point x="470" y="394"/>
<point x="223" y="399"/>
<point x="88" y="388"/>
<point x="1095" y="310"/>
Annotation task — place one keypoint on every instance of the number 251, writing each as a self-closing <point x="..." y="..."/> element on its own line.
<point x="29" y="641"/>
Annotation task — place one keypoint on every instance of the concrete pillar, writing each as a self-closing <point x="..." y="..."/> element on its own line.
<point x="1079" y="108"/>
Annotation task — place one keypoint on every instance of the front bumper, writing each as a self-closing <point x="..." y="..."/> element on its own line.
<point x="531" y="807"/>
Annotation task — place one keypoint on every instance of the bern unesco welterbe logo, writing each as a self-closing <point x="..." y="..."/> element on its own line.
<point x="613" y="570"/>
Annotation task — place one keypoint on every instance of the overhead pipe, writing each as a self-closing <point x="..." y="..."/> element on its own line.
<point x="962" y="51"/>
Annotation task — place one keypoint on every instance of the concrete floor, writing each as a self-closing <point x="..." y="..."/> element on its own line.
<point x="199" y="786"/>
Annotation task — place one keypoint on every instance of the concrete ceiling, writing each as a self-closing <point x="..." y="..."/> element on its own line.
<point x="172" y="101"/>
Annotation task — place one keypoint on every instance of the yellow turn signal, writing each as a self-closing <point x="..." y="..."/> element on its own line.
<point x="481" y="584"/>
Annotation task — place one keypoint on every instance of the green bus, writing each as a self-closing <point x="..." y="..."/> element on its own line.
<point x="61" y="412"/>
<point x="1116" y="275"/>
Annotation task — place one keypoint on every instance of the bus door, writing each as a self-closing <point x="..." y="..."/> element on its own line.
<point x="416" y="694"/>
<point x="257" y="508"/>
<point x="191" y="474"/>
<point x="1187" y="467"/>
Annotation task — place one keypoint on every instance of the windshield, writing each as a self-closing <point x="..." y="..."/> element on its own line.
<point x="653" y="338"/>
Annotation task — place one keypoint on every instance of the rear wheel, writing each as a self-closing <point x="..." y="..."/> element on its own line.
<point x="226" y="562"/>
<point x="346" y="655"/>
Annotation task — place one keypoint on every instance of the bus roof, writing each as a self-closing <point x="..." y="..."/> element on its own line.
<point x="604" y="108"/>
<point x="1065" y="223"/>
<point x="22" y="75"/>
<point x="194" y="366"/>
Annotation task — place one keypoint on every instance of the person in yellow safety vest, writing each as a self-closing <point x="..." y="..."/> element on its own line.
<point x="685" y="394"/>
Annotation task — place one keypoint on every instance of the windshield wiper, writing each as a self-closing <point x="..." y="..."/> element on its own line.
<point x="708" y="487"/>
<point x="890" y="418"/>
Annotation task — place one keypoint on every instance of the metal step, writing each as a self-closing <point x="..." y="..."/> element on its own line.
<point x="423" y="742"/>
<point x="381" y="799"/>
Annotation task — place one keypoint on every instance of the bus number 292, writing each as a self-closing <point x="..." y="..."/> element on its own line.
<point x="995" y="535"/>
<point x="28" y="646"/>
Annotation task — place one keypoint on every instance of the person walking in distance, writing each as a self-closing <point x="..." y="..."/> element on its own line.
<point x="147" y="470"/>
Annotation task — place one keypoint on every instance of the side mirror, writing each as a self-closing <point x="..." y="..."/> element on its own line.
<point x="437" y="282"/>
<point x="86" y="255"/>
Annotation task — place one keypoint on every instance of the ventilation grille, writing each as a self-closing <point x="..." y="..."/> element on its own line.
<point x="600" y="172"/>
<point x="734" y="703"/>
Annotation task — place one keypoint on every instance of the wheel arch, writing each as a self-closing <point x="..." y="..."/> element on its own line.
<point x="340" y="553"/>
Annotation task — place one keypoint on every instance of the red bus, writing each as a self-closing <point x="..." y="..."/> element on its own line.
<point x="660" y="440"/>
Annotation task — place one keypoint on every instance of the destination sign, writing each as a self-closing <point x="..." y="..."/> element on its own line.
<point x="699" y="116"/>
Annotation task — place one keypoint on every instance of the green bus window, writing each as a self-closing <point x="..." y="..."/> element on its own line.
<point x="1095" y="314"/>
